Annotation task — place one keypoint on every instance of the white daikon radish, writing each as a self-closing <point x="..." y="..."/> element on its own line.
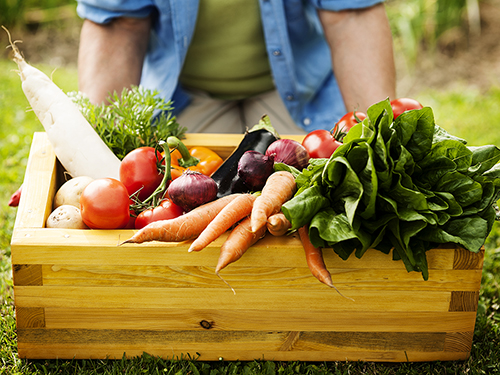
<point x="76" y="144"/>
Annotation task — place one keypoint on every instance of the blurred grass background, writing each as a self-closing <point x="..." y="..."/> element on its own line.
<point x="447" y="58"/>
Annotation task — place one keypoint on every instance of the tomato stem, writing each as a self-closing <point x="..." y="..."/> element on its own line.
<point x="156" y="196"/>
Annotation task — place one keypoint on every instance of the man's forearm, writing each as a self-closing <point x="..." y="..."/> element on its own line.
<point x="362" y="55"/>
<point x="111" y="56"/>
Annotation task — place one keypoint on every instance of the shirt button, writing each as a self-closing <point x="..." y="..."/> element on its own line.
<point x="289" y="97"/>
<point x="277" y="52"/>
<point x="307" y="121"/>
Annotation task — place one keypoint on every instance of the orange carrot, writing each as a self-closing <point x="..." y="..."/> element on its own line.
<point x="184" y="227"/>
<point x="231" y="214"/>
<point x="315" y="261"/>
<point x="314" y="258"/>
<point x="278" y="224"/>
<point x="237" y="243"/>
<point x="279" y="188"/>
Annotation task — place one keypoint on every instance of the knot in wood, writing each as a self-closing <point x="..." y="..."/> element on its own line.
<point x="205" y="324"/>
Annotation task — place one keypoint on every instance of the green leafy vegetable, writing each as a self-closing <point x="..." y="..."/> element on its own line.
<point x="403" y="184"/>
<point x="137" y="118"/>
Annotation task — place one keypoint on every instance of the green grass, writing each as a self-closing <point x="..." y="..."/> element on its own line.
<point x="461" y="112"/>
<point x="467" y="112"/>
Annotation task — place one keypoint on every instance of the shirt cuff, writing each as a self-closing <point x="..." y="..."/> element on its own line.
<point x="102" y="11"/>
<point x="338" y="5"/>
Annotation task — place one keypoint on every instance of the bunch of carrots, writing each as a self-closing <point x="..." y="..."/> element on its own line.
<point x="249" y="215"/>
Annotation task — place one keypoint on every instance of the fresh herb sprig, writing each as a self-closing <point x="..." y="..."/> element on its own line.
<point x="138" y="117"/>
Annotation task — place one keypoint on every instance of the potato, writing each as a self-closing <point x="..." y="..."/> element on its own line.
<point x="70" y="191"/>
<point x="66" y="216"/>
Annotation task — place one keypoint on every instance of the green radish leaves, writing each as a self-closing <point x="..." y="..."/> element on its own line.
<point x="403" y="184"/>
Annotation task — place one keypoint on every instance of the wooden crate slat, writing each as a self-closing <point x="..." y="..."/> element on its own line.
<point x="238" y="345"/>
<point x="39" y="184"/>
<point x="54" y="246"/>
<point x="266" y="299"/>
<point x="37" y="352"/>
<point x="253" y="277"/>
<point x="230" y="320"/>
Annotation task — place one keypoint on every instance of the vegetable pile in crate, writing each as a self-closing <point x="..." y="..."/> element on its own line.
<point x="79" y="295"/>
<point x="403" y="184"/>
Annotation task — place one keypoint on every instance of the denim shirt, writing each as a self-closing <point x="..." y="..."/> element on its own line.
<point x="298" y="52"/>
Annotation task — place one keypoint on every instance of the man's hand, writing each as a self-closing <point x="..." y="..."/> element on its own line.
<point x="362" y="55"/>
<point x="111" y="56"/>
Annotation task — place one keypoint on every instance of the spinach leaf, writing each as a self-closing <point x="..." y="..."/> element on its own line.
<point x="404" y="185"/>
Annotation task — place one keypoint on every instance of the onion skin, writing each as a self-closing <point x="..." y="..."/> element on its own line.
<point x="192" y="189"/>
<point x="290" y="152"/>
<point x="254" y="168"/>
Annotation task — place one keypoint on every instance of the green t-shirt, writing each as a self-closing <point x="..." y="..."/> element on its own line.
<point x="227" y="57"/>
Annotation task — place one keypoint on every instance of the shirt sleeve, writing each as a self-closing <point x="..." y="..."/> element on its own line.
<point x="103" y="11"/>
<point x="338" y="5"/>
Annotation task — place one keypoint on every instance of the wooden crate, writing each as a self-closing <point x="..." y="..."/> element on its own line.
<point x="79" y="295"/>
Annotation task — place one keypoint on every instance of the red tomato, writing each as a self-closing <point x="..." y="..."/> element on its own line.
<point x="104" y="204"/>
<point x="138" y="170"/>
<point x="320" y="143"/>
<point x="404" y="104"/>
<point x="166" y="210"/>
<point x="132" y="214"/>
<point x="346" y="122"/>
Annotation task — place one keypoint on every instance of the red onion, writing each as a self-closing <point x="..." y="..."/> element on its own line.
<point x="254" y="168"/>
<point x="192" y="189"/>
<point x="290" y="152"/>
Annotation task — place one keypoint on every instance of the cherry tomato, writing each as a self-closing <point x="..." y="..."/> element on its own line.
<point x="139" y="171"/>
<point x="166" y="210"/>
<point x="346" y="122"/>
<point x="104" y="204"/>
<point x="320" y="143"/>
<point x="404" y="104"/>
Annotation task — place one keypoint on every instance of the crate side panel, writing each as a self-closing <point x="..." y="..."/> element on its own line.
<point x="245" y="345"/>
<point x="266" y="299"/>
<point x="179" y="319"/>
<point x="156" y="276"/>
<point x="63" y="352"/>
<point x="243" y="340"/>
<point x="39" y="185"/>
<point x="56" y="246"/>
